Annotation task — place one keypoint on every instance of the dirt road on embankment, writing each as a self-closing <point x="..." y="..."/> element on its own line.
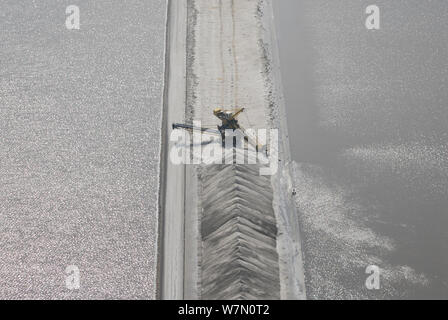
<point x="232" y="233"/>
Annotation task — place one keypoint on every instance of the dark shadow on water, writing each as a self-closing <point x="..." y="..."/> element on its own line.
<point x="308" y="142"/>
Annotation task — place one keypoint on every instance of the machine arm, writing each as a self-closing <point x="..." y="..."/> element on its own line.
<point x="253" y="141"/>
<point x="201" y="129"/>
<point x="237" y="113"/>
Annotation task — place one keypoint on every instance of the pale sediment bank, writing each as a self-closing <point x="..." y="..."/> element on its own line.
<point x="235" y="234"/>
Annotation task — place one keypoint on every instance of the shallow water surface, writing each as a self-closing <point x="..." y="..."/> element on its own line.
<point x="368" y="124"/>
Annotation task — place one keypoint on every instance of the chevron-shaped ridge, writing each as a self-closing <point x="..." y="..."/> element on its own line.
<point x="238" y="233"/>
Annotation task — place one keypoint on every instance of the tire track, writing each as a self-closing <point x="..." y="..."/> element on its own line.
<point x="235" y="60"/>
<point x="221" y="51"/>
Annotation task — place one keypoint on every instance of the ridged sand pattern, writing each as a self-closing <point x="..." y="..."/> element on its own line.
<point x="238" y="233"/>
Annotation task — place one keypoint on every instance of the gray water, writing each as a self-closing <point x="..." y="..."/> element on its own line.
<point x="80" y="116"/>
<point x="368" y="124"/>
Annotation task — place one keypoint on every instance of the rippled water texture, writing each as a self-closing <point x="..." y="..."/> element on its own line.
<point x="79" y="147"/>
<point x="368" y="123"/>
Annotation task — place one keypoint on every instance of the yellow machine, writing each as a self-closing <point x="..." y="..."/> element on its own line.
<point x="229" y="121"/>
<point x="228" y="118"/>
